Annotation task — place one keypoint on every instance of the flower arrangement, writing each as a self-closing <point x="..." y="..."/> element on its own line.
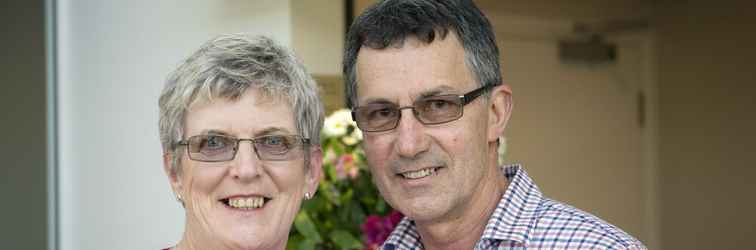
<point x="347" y="212"/>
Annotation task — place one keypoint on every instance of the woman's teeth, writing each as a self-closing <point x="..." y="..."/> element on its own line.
<point x="246" y="203"/>
<point x="420" y="173"/>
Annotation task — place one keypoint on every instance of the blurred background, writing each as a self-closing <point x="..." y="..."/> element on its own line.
<point x="639" y="111"/>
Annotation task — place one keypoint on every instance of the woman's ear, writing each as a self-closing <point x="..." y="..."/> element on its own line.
<point x="499" y="111"/>
<point x="315" y="170"/>
<point x="171" y="172"/>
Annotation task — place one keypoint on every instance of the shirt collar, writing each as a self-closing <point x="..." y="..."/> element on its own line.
<point x="513" y="218"/>
<point x="516" y="213"/>
<point x="404" y="236"/>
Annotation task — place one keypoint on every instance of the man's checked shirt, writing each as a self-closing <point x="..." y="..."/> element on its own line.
<point x="525" y="219"/>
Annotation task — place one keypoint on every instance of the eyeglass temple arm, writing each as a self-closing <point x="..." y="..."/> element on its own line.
<point x="469" y="97"/>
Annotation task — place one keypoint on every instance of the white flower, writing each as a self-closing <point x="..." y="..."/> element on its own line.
<point x="357" y="133"/>
<point x="337" y="123"/>
<point x="350" y="140"/>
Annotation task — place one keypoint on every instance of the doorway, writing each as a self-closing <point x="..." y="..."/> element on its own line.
<point x="582" y="130"/>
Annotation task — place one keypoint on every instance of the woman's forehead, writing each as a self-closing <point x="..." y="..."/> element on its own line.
<point x="248" y="115"/>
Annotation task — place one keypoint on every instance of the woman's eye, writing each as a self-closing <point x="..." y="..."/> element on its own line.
<point x="273" y="140"/>
<point x="214" y="142"/>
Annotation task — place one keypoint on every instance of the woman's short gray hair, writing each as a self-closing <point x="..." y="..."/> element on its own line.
<point x="227" y="66"/>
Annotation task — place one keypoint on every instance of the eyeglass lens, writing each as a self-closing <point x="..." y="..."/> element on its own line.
<point x="215" y="148"/>
<point x="430" y="110"/>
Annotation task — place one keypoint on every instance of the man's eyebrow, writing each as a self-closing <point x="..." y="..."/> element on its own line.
<point x="378" y="100"/>
<point x="437" y="91"/>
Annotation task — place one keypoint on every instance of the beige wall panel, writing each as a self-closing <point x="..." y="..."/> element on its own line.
<point x="707" y="83"/>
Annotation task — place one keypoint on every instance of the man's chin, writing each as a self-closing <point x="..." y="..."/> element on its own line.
<point x="423" y="209"/>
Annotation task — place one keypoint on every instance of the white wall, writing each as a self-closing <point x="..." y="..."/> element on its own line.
<point x="113" y="59"/>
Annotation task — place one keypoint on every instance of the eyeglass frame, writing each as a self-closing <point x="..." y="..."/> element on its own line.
<point x="466" y="98"/>
<point x="303" y="141"/>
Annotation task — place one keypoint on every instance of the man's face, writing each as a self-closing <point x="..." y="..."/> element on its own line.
<point x="428" y="172"/>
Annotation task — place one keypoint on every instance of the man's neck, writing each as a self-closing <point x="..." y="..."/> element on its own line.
<point x="464" y="230"/>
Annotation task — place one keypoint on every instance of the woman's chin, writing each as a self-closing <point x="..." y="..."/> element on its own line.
<point x="252" y="234"/>
<point x="256" y="242"/>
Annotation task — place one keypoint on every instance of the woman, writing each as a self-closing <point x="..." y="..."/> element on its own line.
<point x="240" y="124"/>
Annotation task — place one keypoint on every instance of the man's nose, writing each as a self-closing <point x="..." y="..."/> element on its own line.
<point x="411" y="139"/>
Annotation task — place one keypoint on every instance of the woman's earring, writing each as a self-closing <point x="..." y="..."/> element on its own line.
<point x="180" y="199"/>
<point x="307" y="195"/>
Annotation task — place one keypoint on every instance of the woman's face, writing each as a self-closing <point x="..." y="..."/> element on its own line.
<point x="246" y="202"/>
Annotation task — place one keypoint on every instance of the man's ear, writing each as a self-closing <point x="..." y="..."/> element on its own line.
<point x="315" y="170"/>
<point x="500" y="109"/>
<point x="172" y="175"/>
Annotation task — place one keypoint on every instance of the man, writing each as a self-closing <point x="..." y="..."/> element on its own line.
<point x="424" y="85"/>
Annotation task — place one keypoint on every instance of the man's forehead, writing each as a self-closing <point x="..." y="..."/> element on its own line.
<point x="408" y="95"/>
<point x="413" y="70"/>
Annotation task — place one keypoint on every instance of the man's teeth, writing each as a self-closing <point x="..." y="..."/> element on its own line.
<point x="419" y="174"/>
<point x="246" y="203"/>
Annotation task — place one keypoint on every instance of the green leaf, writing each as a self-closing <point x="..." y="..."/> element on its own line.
<point x="357" y="214"/>
<point x="294" y="242"/>
<point x="337" y="148"/>
<point x="331" y="193"/>
<point x="331" y="172"/>
<point x="307" y="245"/>
<point x="345" y="240"/>
<point x="306" y="227"/>
<point x="347" y="196"/>
<point x="380" y="207"/>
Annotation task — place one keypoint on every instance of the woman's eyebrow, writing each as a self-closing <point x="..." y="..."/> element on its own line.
<point x="272" y="130"/>
<point x="213" y="132"/>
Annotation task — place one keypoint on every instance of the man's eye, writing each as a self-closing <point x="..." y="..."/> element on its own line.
<point x="382" y="113"/>
<point x="438" y="104"/>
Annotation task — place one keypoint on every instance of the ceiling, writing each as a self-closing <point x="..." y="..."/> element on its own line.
<point x="574" y="10"/>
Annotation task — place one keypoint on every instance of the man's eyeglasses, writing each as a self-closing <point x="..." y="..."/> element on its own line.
<point x="217" y="148"/>
<point x="378" y="117"/>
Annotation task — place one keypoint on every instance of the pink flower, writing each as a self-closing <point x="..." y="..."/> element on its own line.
<point x="340" y="171"/>
<point x="345" y="165"/>
<point x="354" y="172"/>
<point x="394" y="218"/>
<point x="377" y="229"/>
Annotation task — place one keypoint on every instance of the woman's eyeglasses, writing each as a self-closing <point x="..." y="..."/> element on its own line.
<point x="218" y="148"/>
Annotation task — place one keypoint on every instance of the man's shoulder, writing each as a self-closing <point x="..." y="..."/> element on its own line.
<point x="559" y="225"/>
<point x="533" y="220"/>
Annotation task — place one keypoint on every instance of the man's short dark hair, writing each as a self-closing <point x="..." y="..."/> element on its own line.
<point x="388" y="23"/>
